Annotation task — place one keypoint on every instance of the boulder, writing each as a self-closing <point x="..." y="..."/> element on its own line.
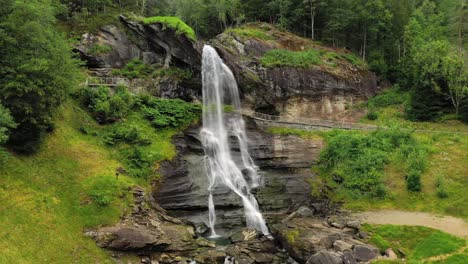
<point x="348" y="258"/>
<point x="391" y="254"/>
<point x="341" y="246"/>
<point x="244" y="235"/>
<point x="365" y="252"/>
<point x="325" y="257"/>
<point x="354" y="224"/>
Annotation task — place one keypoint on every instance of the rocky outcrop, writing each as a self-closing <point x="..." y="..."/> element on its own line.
<point x="285" y="162"/>
<point x="314" y="241"/>
<point x="322" y="91"/>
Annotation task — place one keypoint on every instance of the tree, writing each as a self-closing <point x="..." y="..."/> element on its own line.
<point x="37" y="70"/>
<point x="314" y="6"/>
<point x="456" y="74"/>
<point x="6" y="124"/>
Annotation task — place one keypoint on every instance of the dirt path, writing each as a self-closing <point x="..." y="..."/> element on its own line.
<point x="451" y="225"/>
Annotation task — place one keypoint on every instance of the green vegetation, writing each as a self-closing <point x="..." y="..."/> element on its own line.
<point x="36" y="68"/>
<point x="174" y="23"/>
<point x="6" y="124"/>
<point x="166" y="113"/>
<point x="105" y="107"/>
<point x="250" y="32"/>
<point x="285" y="58"/>
<point x="418" y="243"/>
<point x="356" y="161"/>
<point x="98" y="49"/>
<point x="134" y="69"/>
<point x="49" y="198"/>
<point x="305" y="59"/>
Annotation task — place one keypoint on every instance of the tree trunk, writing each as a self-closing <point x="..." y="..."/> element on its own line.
<point x="364" y="46"/>
<point x="312" y="21"/>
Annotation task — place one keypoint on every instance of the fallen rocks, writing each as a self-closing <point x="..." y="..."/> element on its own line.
<point x="325" y="257"/>
<point x="390" y="254"/>
<point x="365" y="252"/>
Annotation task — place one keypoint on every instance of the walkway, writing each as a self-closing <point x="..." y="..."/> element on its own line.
<point x="320" y="124"/>
<point x="106" y="81"/>
<point x="449" y="224"/>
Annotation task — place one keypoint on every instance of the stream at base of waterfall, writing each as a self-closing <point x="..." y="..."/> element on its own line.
<point x="220" y="92"/>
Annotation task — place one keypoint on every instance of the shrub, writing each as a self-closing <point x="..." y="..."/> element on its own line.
<point x="356" y="161"/>
<point x="104" y="107"/>
<point x="286" y="58"/>
<point x="394" y="96"/>
<point x="139" y="162"/>
<point x="413" y="181"/>
<point x="103" y="190"/>
<point x="353" y="59"/>
<point x="98" y="49"/>
<point x="135" y="69"/>
<point x="126" y="134"/>
<point x="165" y="113"/>
<point x="6" y="123"/>
<point x="441" y="192"/>
<point x="372" y="115"/>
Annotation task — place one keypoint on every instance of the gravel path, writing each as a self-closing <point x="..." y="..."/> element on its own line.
<point x="449" y="224"/>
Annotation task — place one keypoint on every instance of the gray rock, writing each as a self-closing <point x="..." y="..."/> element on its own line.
<point x="354" y="224"/>
<point x="391" y="254"/>
<point x="365" y="252"/>
<point x="337" y="225"/>
<point x="341" y="246"/>
<point x="363" y="234"/>
<point x="305" y="211"/>
<point x="244" y="235"/>
<point x="325" y="257"/>
<point x="348" y="258"/>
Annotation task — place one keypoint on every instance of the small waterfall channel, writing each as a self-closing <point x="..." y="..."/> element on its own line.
<point x="221" y="121"/>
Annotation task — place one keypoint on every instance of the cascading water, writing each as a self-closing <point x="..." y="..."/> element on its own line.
<point x="219" y="93"/>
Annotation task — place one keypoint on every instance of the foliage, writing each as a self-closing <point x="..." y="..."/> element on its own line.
<point x="45" y="196"/>
<point x="105" y="107"/>
<point x="36" y="70"/>
<point x="174" y="23"/>
<point x="285" y="58"/>
<point x="104" y="190"/>
<point x="250" y="32"/>
<point x="98" y="49"/>
<point x="389" y="97"/>
<point x="126" y="134"/>
<point x="166" y="113"/>
<point x="441" y="190"/>
<point x="416" y="241"/>
<point x="134" y="69"/>
<point x="356" y="161"/>
<point x="6" y="124"/>
<point x="372" y="115"/>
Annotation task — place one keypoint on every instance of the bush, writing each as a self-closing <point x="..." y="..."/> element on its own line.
<point x="173" y="72"/>
<point x="125" y="134"/>
<point x="389" y="97"/>
<point x="104" y="107"/>
<point x="98" y="49"/>
<point x="103" y="190"/>
<point x="441" y="192"/>
<point x="286" y="58"/>
<point x="356" y="161"/>
<point x="413" y="181"/>
<point x="6" y="123"/>
<point x="165" y="113"/>
<point x="372" y="115"/>
<point x="139" y="162"/>
<point x="134" y="69"/>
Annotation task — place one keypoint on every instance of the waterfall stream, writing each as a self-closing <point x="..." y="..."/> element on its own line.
<point x="221" y="121"/>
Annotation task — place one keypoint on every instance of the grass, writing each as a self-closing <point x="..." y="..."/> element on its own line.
<point x="49" y="198"/>
<point x="307" y="58"/>
<point x="250" y="32"/>
<point x="172" y="22"/>
<point x="418" y="243"/>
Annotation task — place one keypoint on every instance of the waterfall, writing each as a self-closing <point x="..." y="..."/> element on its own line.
<point x="220" y="93"/>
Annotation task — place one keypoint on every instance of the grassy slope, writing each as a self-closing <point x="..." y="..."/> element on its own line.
<point x="419" y="244"/>
<point x="45" y="205"/>
<point x="448" y="160"/>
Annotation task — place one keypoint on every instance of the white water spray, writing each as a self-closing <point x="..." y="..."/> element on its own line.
<point x="220" y="92"/>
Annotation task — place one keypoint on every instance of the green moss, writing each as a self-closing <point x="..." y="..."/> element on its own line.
<point x="292" y="235"/>
<point x="286" y="58"/>
<point x="172" y="22"/>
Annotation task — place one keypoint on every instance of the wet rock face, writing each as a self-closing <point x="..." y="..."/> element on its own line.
<point x="285" y="163"/>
